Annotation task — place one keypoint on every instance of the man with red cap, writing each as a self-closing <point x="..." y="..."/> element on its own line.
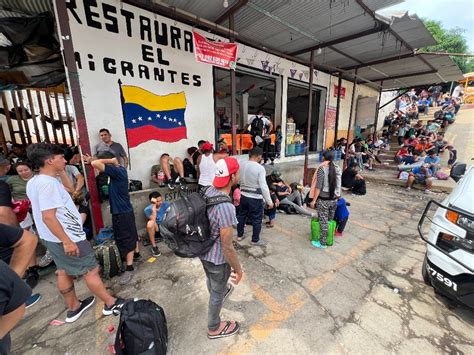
<point x="221" y="262"/>
<point x="206" y="165"/>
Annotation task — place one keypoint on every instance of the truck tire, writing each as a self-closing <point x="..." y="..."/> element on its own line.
<point x="424" y="271"/>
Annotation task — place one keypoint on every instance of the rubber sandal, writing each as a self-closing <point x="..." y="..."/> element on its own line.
<point x="224" y="332"/>
<point x="270" y="226"/>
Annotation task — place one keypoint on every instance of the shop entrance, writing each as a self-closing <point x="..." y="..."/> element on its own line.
<point x="297" y="119"/>
<point x="254" y="92"/>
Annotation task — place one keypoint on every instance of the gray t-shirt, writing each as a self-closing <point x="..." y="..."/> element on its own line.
<point x="115" y="148"/>
<point x="253" y="182"/>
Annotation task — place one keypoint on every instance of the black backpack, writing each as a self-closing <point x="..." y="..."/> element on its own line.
<point x="142" y="329"/>
<point x="256" y="127"/>
<point x="135" y="185"/>
<point x="185" y="226"/>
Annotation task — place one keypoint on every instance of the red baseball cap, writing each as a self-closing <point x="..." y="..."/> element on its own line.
<point x="224" y="169"/>
<point x="206" y="147"/>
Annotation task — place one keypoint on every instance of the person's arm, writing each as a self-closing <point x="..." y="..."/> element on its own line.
<point x="80" y="183"/>
<point x="318" y="186"/>
<point x="66" y="181"/>
<point x="198" y="162"/>
<point x="152" y="216"/>
<point x="23" y="250"/>
<point x="262" y="183"/>
<point x="49" y="218"/>
<point x="8" y="321"/>
<point x="100" y="164"/>
<point x="230" y="255"/>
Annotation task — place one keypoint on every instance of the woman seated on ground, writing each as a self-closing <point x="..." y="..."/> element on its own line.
<point x="352" y="180"/>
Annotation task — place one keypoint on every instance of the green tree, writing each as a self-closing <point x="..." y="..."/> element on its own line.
<point x="450" y="41"/>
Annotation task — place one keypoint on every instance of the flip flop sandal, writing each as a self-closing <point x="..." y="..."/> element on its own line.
<point x="228" y="292"/>
<point x="225" y="333"/>
<point x="270" y="225"/>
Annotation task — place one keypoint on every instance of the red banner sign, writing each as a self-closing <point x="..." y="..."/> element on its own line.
<point x="343" y="91"/>
<point x="330" y="118"/>
<point x="220" y="54"/>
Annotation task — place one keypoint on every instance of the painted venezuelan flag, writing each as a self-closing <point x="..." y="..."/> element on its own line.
<point x="153" y="117"/>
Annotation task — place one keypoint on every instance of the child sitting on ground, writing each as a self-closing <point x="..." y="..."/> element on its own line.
<point x="453" y="156"/>
<point x="341" y="216"/>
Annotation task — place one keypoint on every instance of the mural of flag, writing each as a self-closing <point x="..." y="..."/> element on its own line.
<point x="149" y="116"/>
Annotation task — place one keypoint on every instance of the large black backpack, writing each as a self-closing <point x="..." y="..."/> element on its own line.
<point x="185" y="226"/>
<point x="256" y="127"/>
<point x="142" y="329"/>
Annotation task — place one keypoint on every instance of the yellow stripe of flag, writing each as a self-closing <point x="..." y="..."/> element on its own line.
<point x="153" y="102"/>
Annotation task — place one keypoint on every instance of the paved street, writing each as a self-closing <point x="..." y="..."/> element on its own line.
<point x="364" y="295"/>
<point x="461" y="134"/>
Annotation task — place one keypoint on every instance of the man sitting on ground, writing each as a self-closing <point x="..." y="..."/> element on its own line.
<point x="440" y="144"/>
<point x="172" y="171"/>
<point x="155" y="212"/>
<point x="352" y="180"/>
<point x="421" y="175"/>
<point x="423" y="106"/>
<point x="432" y="161"/>
<point x="412" y="112"/>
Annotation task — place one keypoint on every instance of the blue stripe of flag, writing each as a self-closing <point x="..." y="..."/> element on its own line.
<point x="137" y="116"/>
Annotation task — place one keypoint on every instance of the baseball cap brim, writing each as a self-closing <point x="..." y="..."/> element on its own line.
<point x="221" y="181"/>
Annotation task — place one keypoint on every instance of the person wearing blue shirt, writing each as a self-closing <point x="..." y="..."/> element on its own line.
<point x="155" y="212"/>
<point x="341" y="216"/>
<point x="423" y="105"/>
<point x="432" y="160"/>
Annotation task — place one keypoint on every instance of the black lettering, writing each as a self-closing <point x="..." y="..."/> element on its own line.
<point x="185" y="78"/>
<point x="161" y="60"/>
<point x="71" y="5"/>
<point x="175" y="37"/>
<point x="197" y="80"/>
<point x="91" y="22"/>
<point x="77" y="57"/>
<point x="159" y="74"/>
<point x="143" y="71"/>
<point x="172" y="73"/>
<point x="128" y="20"/>
<point x="145" y="28"/>
<point x="127" y="67"/>
<point x="188" y="42"/>
<point x="109" y="66"/>
<point x="112" y="25"/>
<point x="91" y="62"/>
<point x="161" y="38"/>
<point x="167" y="196"/>
<point x="147" y="53"/>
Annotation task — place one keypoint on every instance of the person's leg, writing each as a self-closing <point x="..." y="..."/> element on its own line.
<point x="65" y="284"/>
<point x="242" y="216"/>
<point x="323" y="216"/>
<point x="341" y="225"/>
<point x="256" y="211"/>
<point x="165" y="166"/>
<point x="151" y="228"/>
<point x="298" y="209"/>
<point x="429" y="183"/>
<point x="410" y="181"/>
<point x="400" y="140"/>
<point x="179" y="167"/>
<point x="96" y="286"/>
<point x="295" y="197"/>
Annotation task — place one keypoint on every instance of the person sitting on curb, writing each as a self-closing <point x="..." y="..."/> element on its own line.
<point x="421" y="175"/>
<point x="169" y="171"/>
<point x="352" y="180"/>
<point x="155" y="212"/>
<point x="433" y="161"/>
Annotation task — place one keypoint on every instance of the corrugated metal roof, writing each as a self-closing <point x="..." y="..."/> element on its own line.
<point x="24" y="8"/>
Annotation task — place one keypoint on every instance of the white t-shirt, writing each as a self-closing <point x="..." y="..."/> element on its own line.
<point x="45" y="193"/>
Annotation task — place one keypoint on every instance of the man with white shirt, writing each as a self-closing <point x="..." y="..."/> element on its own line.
<point x="59" y="226"/>
<point x="259" y="127"/>
<point x="254" y="193"/>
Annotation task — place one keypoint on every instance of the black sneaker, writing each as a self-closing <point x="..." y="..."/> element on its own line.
<point x="182" y="184"/>
<point x="115" y="308"/>
<point x="32" y="278"/>
<point x="72" y="316"/>
<point x="171" y="185"/>
<point x="136" y="256"/>
<point x="155" y="251"/>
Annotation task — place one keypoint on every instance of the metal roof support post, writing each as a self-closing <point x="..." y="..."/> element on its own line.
<point x="76" y="95"/>
<point x="338" y="107"/>
<point x="310" y="114"/>
<point x="233" y="105"/>
<point x="354" y="87"/>
<point x="377" y="108"/>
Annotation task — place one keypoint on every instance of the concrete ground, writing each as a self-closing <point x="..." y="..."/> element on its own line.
<point x="363" y="295"/>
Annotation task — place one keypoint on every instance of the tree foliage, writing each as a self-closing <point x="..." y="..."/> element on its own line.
<point x="451" y="41"/>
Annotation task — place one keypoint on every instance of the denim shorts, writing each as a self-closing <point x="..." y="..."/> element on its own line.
<point x="72" y="265"/>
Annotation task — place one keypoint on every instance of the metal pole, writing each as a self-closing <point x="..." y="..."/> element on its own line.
<point x="76" y="95"/>
<point x="349" y="126"/>
<point x="310" y="114"/>
<point x="338" y="107"/>
<point x="233" y="106"/>
<point x="377" y="108"/>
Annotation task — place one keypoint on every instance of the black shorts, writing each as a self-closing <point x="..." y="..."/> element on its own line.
<point x="125" y="232"/>
<point x="174" y="176"/>
<point x="5" y="195"/>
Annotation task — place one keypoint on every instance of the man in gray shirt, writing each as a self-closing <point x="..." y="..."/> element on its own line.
<point x="107" y="145"/>
<point x="253" y="193"/>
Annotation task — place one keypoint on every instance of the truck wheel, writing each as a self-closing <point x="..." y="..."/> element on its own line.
<point x="424" y="272"/>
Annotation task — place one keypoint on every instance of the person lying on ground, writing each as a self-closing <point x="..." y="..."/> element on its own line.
<point x="155" y="212"/>
<point x="60" y="227"/>
<point x="170" y="171"/>
<point x="421" y="175"/>
<point x="351" y="179"/>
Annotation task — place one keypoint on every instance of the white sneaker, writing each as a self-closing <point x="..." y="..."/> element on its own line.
<point x="408" y="188"/>
<point x="427" y="191"/>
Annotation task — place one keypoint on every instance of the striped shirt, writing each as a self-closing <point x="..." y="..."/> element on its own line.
<point x="220" y="216"/>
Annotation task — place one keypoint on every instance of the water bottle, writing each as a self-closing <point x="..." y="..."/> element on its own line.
<point x="161" y="178"/>
<point x="111" y="340"/>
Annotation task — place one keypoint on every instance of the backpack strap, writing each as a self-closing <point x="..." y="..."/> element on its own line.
<point x="106" y="255"/>
<point x="216" y="200"/>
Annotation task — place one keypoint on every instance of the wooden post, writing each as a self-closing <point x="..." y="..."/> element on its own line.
<point x="33" y="114"/>
<point x="233" y="89"/>
<point x="7" y="115"/>
<point x="24" y="116"/>
<point x="349" y="126"/>
<point x="63" y="133"/>
<point x="377" y="108"/>
<point x="43" y="122"/>
<point x="18" y="116"/>
<point x="4" y="141"/>
<point x="338" y="107"/>
<point x="69" y="121"/>
<point x="310" y="114"/>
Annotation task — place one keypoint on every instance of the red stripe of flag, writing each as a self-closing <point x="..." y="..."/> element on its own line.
<point x="137" y="136"/>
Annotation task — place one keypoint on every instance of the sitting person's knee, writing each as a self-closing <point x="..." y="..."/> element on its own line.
<point x="151" y="225"/>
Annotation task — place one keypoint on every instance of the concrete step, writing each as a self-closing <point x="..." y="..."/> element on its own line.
<point x="389" y="177"/>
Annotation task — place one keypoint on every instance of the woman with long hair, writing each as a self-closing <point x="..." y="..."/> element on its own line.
<point x="325" y="190"/>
